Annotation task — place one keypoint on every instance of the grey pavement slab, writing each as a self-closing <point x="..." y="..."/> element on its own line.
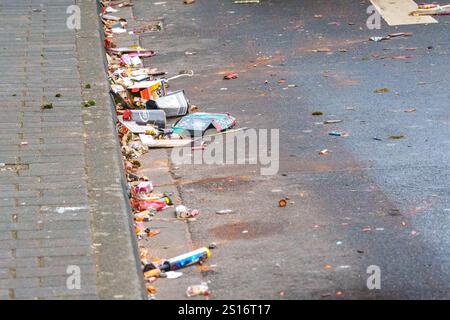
<point x="51" y="161"/>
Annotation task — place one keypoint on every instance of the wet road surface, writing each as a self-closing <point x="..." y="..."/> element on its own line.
<point x="372" y="200"/>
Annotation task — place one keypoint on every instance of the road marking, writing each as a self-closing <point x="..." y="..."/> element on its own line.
<point x="396" y="12"/>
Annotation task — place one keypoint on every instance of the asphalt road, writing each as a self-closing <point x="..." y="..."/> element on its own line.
<point x="381" y="201"/>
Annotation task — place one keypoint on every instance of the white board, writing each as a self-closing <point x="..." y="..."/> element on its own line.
<point x="396" y="12"/>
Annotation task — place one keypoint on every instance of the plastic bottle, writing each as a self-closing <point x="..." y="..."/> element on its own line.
<point x="186" y="259"/>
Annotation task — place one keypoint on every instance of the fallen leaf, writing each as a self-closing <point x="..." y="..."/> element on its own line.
<point x="152" y="233"/>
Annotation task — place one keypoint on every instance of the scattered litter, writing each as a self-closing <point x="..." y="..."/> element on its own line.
<point x="332" y="121"/>
<point x="231" y="75"/>
<point x="182" y="212"/>
<point x="338" y="134"/>
<point x="212" y="246"/>
<point x="225" y="211"/>
<point x="152" y="273"/>
<point x="402" y="57"/>
<point x="152" y="233"/>
<point x="173" y="274"/>
<point x="198" y="290"/>
<point x="151" y="289"/>
<point x="382" y="90"/>
<point x="187" y="259"/>
<point x="389" y="36"/>
<point x="321" y="50"/>
<point x="149" y="141"/>
<point x="197" y="123"/>
<point x="173" y="104"/>
<point x="400" y="34"/>
<point x="378" y="39"/>
<point x="431" y="9"/>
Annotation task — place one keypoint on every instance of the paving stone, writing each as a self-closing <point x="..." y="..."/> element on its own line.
<point x="46" y="217"/>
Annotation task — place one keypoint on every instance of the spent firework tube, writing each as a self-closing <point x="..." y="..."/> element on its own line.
<point x="186" y="259"/>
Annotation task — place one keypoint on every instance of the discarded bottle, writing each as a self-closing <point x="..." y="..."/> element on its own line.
<point x="186" y="259"/>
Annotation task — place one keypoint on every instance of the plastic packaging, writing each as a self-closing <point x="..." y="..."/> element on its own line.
<point x="174" y="104"/>
<point x="198" y="290"/>
<point x="153" y="117"/>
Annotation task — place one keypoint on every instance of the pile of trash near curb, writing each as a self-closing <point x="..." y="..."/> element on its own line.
<point x="144" y="103"/>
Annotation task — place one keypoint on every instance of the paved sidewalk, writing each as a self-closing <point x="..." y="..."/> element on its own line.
<point x="54" y="211"/>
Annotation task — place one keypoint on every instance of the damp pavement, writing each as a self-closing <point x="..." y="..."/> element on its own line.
<point x="372" y="200"/>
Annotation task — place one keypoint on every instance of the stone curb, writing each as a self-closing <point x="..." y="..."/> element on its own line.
<point x="119" y="275"/>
